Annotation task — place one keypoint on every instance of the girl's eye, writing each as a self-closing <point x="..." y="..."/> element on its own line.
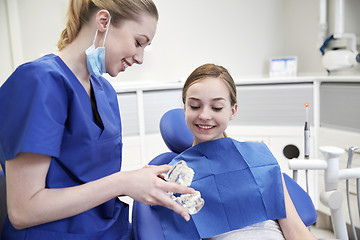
<point x="194" y="107"/>
<point x="138" y="44"/>
<point x="217" y="109"/>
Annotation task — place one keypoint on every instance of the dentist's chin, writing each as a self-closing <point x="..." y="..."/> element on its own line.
<point x="112" y="74"/>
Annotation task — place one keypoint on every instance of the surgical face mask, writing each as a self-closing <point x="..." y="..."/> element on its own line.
<point x="95" y="57"/>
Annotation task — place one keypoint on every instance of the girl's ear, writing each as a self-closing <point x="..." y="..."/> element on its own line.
<point x="102" y="20"/>
<point x="233" y="111"/>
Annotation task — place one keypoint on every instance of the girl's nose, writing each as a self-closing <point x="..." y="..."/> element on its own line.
<point x="205" y="114"/>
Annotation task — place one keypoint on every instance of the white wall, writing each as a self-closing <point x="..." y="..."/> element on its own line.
<point x="41" y="24"/>
<point x="5" y="52"/>
<point x="239" y="34"/>
<point x="29" y="29"/>
<point x="301" y="28"/>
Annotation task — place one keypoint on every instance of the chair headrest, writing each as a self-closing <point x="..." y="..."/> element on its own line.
<point x="174" y="131"/>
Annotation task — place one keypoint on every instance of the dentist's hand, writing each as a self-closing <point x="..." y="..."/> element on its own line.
<point x="147" y="185"/>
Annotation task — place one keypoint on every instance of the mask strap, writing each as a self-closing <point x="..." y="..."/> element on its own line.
<point x="95" y="37"/>
<point x="107" y="29"/>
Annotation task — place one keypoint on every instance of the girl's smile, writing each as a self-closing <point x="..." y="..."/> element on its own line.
<point x="208" y="109"/>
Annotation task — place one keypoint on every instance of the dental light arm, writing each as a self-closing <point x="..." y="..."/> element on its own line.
<point x="339" y="59"/>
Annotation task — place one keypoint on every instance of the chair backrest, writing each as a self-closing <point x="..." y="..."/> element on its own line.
<point x="302" y="201"/>
<point x="176" y="135"/>
<point x="3" y="210"/>
<point x="174" y="131"/>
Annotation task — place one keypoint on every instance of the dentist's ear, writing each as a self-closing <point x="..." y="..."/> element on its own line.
<point x="102" y="20"/>
<point x="233" y="111"/>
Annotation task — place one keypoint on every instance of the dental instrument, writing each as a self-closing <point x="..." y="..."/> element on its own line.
<point x="307" y="142"/>
<point x="307" y="133"/>
<point x="350" y="157"/>
<point x="306" y="146"/>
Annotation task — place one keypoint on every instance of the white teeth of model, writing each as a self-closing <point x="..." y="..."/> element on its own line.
<point x="205" y="127"/>
<point x="125" y="65"/>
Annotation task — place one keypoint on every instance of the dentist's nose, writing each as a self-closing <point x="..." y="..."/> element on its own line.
<point x="139" y="56"/>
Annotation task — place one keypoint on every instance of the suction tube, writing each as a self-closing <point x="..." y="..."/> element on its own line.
<point x="350" y="157"/>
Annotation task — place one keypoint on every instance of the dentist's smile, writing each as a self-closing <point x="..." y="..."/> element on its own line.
<point x="125" y="64"/>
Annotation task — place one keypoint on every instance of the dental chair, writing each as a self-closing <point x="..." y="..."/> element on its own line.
<point x="177" y="137"/>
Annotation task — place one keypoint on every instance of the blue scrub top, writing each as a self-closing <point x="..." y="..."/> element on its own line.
<point x="44" y="109"/>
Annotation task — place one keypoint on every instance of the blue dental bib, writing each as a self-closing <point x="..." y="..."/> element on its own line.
<point x="240" y="182"/>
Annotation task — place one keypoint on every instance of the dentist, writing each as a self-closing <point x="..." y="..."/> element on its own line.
<point x="60" y="130"/>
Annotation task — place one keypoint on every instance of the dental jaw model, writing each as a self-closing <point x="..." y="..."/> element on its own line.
<point x="183" y="175"/>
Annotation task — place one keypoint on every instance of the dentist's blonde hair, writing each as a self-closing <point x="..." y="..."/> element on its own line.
<point x="80" y="11"/>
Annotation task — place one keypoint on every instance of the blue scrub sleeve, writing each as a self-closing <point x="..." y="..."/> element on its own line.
<point x="33" y="110"/>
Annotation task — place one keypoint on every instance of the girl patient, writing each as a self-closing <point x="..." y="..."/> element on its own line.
<point x="241" y="183"/>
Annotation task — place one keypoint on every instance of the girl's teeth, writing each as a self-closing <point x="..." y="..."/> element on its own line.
<point x="205" y="127"/>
